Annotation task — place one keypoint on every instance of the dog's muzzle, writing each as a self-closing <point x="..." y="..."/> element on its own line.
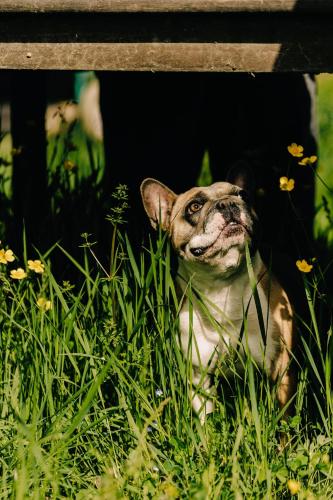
<point x="231" y="225"/>
<point x="198" y="251"/>
<point x="229" y="210"/>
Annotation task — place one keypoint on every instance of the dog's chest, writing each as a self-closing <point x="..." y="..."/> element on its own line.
<point x="218" y="315"/>
<point x="212" y="322"/>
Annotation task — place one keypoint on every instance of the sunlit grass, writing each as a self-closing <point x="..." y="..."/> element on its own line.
<point x="94" y="394"/>
<point x="324" y="203"/>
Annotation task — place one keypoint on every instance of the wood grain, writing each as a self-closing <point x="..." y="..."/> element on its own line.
<point x="60" y="38"/>
<point x="166" y="5"/>
<point x="229" y="57"/>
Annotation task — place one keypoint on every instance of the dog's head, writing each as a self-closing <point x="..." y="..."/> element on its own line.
<point x="209" y="226"/>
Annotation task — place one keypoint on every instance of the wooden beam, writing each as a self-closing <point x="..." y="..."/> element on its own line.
<point x="229" y="57"/>
<point x="166" y="6"/>
<point x="177" y="41"/>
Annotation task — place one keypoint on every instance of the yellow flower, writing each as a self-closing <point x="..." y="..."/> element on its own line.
<point x="286" y="184"/>
<point x="296" y="150"/>
<point x="44" y="304"/>
<point x="308" y="160"/>
<point x="303" y="266"/>
<point x="6" y="256"/>
<point x="18" y="274"/>
<point x="36" y="266"/>
<point x="293" y="486"/>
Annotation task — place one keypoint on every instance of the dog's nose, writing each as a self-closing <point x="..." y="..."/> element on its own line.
<point x="198" y="251"/>
<point x="229" y="210"/>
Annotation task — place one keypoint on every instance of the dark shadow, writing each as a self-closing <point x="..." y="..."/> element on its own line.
<point x="305" y="37"/>
<point x="160" y="125"/>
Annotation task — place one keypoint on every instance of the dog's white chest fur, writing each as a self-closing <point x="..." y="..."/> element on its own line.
<point x="212" y="318"/>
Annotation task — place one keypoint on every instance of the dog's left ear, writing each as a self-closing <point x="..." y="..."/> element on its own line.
<point x="241" y="174"/>
<point x="158" y="201"/>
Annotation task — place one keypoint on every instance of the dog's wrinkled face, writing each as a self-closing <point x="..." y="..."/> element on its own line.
<point x="208" y="226"/>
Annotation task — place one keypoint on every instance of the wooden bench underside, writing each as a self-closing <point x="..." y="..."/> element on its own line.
<point x="124" y="35"/>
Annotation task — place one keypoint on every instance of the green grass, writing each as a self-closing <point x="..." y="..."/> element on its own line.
<point x="94" y="398"/>
<point x="324" y="199"/>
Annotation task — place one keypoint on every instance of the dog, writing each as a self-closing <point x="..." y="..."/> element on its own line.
<point x="215" y="233"/>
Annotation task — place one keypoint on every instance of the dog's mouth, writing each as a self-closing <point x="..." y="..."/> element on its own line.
<point x="230" y="229"/>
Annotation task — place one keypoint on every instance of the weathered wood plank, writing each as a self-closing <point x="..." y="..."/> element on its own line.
<point x="166" y="5"/>
<point x="230" y="57"/>
<point x="167" y="41"/>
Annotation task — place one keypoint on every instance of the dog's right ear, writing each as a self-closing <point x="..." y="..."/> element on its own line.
<point x="158" y="201"/>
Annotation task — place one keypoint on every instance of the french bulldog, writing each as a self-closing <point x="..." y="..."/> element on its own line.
<point x="211" y="229"/>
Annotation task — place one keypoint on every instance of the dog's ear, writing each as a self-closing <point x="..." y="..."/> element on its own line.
<point x="158" y="201"/>
<point x="241" y="174"/>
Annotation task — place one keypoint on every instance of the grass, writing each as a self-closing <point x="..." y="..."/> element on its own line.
<point x="94" y="398"/>
<point x="324" y="200"/>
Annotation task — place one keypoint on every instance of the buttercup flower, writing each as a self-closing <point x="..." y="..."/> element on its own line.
<point x="6" y="256"/>
<point x="44" y="304"/>
<point x="308" y="160"/>
<point x="36" y="266"/>
<point x="18" y="274"/>
<point x="303" y="266"/>
<point x="286" y="184"/>
<point x="295" y="150"/>
<point x="293" y="486"/>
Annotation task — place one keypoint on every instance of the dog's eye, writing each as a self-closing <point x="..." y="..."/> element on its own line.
<point x="195" y="206"/>
<point x="244" y="195"/>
